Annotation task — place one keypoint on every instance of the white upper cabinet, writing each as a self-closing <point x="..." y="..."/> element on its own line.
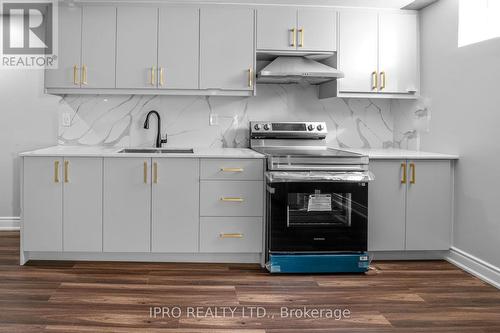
<point x="398" y="53"/>
<point x="98" y="47"/>
<point x="378" y="52"/>
<point x="178" y="48"/>
<point x="67" y="75"/>
<point x="136" y="47"/>
<point x="316" y="29"/>
<point x="227" y="48"/>
<point x="277" y="28"/>
<point x="292" y="29"/>
<point x="358" y="51"/>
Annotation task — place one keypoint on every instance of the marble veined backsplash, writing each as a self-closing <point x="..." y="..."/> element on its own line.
<point x="118" y="120"/>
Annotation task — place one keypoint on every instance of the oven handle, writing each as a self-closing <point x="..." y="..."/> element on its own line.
<point x="316" y="176"/>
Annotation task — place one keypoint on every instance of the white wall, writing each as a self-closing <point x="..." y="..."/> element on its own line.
<point x="464" y="87"/>
<point x="28" y="119"/>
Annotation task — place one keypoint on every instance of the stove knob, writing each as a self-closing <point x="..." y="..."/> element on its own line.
<point x="320" y="127"/>
<point x="266" y="127"/>
<point x="257" y="127"/>
<point x="310" y="127"/>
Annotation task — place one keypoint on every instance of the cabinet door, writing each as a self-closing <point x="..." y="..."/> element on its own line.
<point x="136" y="47"/>
<point x="317" y="29"/>
<point x="67" y="75"/>
<point x="42" y="204"/>
<point x="98" y="46"/>
<point x="178" y="48"/>
<point x="82" y="204"/>
<point x="358" y="35"/>
<point x="386" y="206"/>
<point x="175" y="205"/>
<point x="127" y="209"/>
<point x="227" y="48"/>
<point x="275" y="28"/>
<point x="398" y="53"/>
<point x="428" y="212"/>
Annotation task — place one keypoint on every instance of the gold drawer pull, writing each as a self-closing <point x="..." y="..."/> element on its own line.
<point x="294" y="37"/>
<point x="232" y="169"/>
<point x="382" y="79"/>
<point x="301" y="32"/>
<point x="403" y="180"/>
<point x="66" y="171"/>
<point x="145" y="172"/>
<point x="56" y="171"/>
<point x="250" y="77"/>
<point x="155" y="172"/>
<point x="233" y="235"/>
<point x="75" y="75"/>
<point x="374" y="80"/>
<point x="412" y="169"/>
<point x="84" y="75"/>
<point x="153" y="79"/>
<point x="162" y="80"/>
<point x="231" y="199"/>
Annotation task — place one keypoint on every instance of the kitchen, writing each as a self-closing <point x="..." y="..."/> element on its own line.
<point x="277" y="144"/>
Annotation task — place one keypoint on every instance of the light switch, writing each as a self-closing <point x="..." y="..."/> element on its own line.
<point x="66" y="119"/>
<point x="214" y="119"/>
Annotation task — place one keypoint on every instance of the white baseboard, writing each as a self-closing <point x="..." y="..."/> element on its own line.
<point x="9" y="223"/>
<point x="475" y="266"/>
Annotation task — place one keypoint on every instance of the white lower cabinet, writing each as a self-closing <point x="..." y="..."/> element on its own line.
<point x="410" y="205"/>
<point x="127" y="209"/>
<point x="42" y="204"/>
<point x="82" y="204"/>
<point x="231" y="234"/>
<point x="175" y="209"/>
<point x="429" y="206"/>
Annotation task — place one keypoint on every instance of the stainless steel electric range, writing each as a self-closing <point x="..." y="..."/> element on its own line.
<point x="317" y="200"/>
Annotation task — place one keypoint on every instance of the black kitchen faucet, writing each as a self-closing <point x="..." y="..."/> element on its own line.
<point x="159" y="140"/>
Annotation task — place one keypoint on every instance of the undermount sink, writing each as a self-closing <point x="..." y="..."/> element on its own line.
<point x="157" y="150"/>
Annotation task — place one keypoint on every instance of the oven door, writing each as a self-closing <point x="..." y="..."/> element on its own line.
<point x="318" y="216"/>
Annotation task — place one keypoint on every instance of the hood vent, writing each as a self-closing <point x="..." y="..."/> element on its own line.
<point x="295" y="69"/>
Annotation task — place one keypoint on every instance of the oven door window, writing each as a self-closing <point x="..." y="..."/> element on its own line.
<point x="317" y="216"/>
<point x="319" y="209"/>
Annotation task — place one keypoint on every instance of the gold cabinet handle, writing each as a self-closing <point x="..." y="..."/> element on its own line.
<point x="75" y="75"/>
<point x="232" y="169"/>
<point x="155" y="172"/>
<point x="66" y="171"/>
<point x="412" y="170"/>
<point x="374" y="80"/>
<point x="250" y="77"/>
<point x="230" y="235"/>
<point x="403" y="179"/>
<point x="294" y="37"/>
<point x="153" y="76"/>
<point x="145" y="172"/>
<point x="56" y="171"/>
<point x="162" y="80"/>
<point x="382" y="79"/>
<point x="301" y="32"/>
<point x="231" y="199"/>
<point x="84" y="75"/>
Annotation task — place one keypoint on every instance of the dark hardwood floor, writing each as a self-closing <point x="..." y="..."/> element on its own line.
<point x="71" y="297"/>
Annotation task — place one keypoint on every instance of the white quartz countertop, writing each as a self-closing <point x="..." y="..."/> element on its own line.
<point x="391" y="153"/>
<point x="84" y="151"/>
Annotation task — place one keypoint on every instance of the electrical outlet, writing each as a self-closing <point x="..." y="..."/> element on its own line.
<point x="66" y="119"/>
<point x="214" y="119"/>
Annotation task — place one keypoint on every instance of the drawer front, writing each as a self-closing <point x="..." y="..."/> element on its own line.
<point x="231" y="234"/>
<point x="231" y="198"/>
<point x="232" y="169"/>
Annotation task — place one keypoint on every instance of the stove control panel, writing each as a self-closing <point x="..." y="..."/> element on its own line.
<point x="289" y="129"/>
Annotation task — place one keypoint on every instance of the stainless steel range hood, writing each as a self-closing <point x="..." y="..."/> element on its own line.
<point x="297" y="69"/>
